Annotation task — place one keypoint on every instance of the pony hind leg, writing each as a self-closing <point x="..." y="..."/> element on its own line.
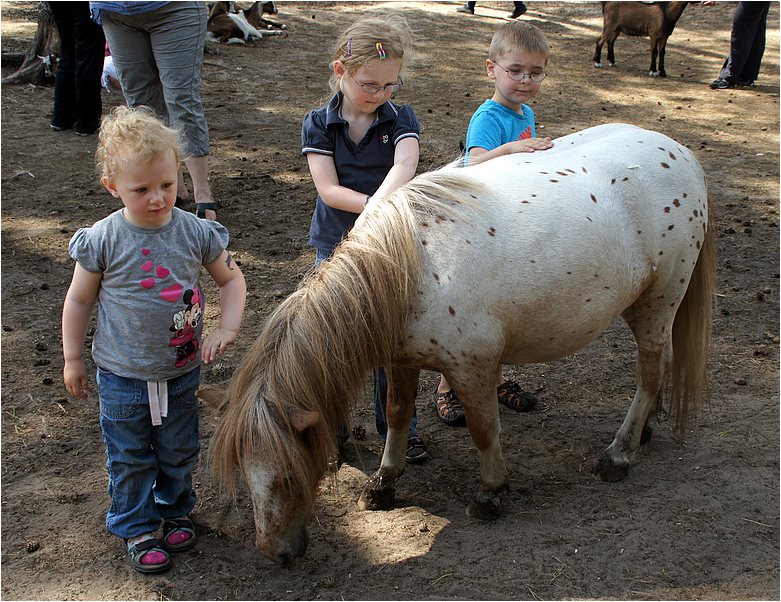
<point x="652" y="331"/>
<point x="379" y="492"/>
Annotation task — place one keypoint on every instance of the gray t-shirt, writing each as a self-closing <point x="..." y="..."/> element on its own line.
<point x="150" y="304"/>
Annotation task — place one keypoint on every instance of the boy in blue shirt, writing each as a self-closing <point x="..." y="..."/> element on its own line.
<point x="516" y="63"/>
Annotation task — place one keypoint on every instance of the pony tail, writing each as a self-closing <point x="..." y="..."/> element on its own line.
<point x="688" y="377"/>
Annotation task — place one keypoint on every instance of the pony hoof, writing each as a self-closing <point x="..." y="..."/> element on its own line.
<point x="607" y="469"/>
<point x="486" y="506"/>
<point x="377" y="499"/>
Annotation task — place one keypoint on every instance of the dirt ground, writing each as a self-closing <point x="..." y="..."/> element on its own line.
<point x="698" y="520"/>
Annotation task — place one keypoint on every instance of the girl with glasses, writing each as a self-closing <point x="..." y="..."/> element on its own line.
<point x="360" y="148"/>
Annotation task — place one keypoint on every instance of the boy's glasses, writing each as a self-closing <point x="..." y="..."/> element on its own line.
<point x="518" y="75"/>
<point x="374" y="88"/>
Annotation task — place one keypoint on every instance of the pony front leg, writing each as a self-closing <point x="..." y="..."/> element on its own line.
<point x="379" y="492"/>
<point x="481" y="407"/>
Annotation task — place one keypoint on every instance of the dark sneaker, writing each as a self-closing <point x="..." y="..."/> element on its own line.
<point x="416" y="450"/>
<point x="519" y="10"/>
<point x="721" y="84"/>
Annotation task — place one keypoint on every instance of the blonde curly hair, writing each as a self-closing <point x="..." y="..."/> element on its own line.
<point x="134" y="132"/>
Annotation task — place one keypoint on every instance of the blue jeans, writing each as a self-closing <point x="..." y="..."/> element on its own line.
<point x="380" y="394"/>
<point x="149" y="467"/>
<point x="380" y="387"/>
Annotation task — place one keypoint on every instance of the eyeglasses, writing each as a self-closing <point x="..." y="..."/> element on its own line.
<point x="374" y="88"/>
<point x="518" y="75"/>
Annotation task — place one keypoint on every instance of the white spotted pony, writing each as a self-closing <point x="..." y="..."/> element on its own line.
<point x="525" y="258"/>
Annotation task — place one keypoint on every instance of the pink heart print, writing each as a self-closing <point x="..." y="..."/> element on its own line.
<point x="172" y="293"/>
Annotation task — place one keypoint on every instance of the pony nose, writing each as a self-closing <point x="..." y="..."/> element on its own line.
<point x="293" y="550"/>
<point x="283" y="558"/>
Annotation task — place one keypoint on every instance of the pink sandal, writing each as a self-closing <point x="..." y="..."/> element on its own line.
<point x="178" y="534"/>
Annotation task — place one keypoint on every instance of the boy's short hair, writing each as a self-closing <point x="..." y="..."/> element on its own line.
<point x="518" y="35"/>
<point x="137" y="133"/>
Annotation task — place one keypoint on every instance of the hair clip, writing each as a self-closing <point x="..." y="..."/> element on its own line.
<point x="380" y="51"/>
<point x="349" y="52"/>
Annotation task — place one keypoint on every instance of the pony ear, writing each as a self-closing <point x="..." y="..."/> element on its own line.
<point x="303" y="419"/>
<point x="216" y="398"/>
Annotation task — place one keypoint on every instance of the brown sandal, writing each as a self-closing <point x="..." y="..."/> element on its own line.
<point x="449" y="408"/>
<point x="511" y="395"/>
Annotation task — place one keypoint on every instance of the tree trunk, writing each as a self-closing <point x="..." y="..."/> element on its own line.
<point x="40" y="60"/>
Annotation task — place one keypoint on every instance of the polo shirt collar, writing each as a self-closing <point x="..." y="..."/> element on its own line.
<point x="386" y="111"/>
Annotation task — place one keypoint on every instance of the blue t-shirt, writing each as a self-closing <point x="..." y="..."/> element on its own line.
<point x="361" y="167"/>
<point x="493" y="125"/>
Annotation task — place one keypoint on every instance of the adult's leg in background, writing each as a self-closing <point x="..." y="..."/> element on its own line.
<point x="63" y="114"/>
<point x="131" y="49"/>
<point x="90" y="50"/>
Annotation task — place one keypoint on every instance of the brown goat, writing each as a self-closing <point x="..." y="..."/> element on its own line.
<point x="653" y="19"/>
<point x="232" y="25"/>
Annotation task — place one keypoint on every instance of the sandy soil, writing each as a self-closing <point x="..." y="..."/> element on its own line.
<point x="698" y="520"/>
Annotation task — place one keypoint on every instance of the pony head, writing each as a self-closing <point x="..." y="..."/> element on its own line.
<point x="282" y="485"/>
<point x="278" y="427"/>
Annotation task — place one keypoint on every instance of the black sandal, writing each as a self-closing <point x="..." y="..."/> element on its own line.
<point x="417" y="450"/>
<point x="138" y="550"/>
<point x="174" y="525"/>
<point x="200" y="209"/>
<point x="449" y="408"/>
<point x="511" y="395"/>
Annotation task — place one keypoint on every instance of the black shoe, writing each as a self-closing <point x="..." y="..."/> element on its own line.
<point x="721" y="84"/>
<point x="416" y="450"/>
<point x="518" y="12"/>
<point x="747" y="83"/>
<point x="466" y="9"/>
<point x="60" y="128"/>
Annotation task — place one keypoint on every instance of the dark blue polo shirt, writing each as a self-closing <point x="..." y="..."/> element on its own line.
<point x="361" y="167"/>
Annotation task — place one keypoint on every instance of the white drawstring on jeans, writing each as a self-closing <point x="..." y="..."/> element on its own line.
<point x="158" y="401"/>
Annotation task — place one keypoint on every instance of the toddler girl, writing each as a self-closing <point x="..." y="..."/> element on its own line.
<point x="141" y="264"/>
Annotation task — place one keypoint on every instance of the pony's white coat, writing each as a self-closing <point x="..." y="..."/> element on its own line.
<point x="565" y="240"/>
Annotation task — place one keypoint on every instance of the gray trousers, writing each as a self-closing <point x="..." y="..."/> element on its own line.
<point x="159" y="58"/>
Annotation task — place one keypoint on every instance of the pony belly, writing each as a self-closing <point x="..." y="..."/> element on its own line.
<point x="546" y="339"/>
<point x="546" y="350"/>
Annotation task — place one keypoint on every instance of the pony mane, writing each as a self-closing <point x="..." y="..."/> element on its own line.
<point x="317" y="345"/>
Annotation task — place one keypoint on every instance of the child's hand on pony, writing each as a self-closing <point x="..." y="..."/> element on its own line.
<point x="530" y="145"/>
